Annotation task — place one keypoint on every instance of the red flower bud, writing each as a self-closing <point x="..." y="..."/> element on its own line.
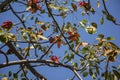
<point x="7" y="25"/>
<point x="81" y="4"/>
<point x="54" y="59"/>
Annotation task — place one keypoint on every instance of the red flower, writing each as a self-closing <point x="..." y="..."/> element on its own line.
<point x="54" y="59"/>
<point x="56" y="39"/>
<point x="33" y="5"/>
<point x="7" y="25"/>
<point x="73" y="35"/>
<point x="81" y="4"/>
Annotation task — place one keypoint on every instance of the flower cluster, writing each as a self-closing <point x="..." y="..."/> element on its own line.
<point x="82" y="4"/>
<point x="33" y="5"/>
<point x="56" y="39"/>
<point x="73" y="35"/>
<point x="7" y="25"/>
<point x="54" y="59"/>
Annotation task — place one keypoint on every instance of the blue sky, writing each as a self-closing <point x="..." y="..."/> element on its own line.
<point x="108" y="29"/>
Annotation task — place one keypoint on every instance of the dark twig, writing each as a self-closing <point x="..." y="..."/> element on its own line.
<point x="6" y="57"/>
<point x="106" y="72"/>
<point x="47" y="51"/>
<point x="109" y="13"/>
<point x="23" y="22"/>
<point x="10" y="45"/>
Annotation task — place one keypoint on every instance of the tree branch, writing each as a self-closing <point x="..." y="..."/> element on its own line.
<point x="22" y="21"/>
<point x="10" y="45"/>
<point x="6" y="57"/>
<point x="4" y="4"/>
<point x="24" y="61"/>
<point x="109" y="13"/>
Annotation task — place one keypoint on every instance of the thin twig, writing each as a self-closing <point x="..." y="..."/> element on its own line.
<point x="23" y="22"/>
<point x="10" y="45"/>
<point x="47" y="51"/>
<point x="6" y="57"/>
<point x="109" y="13"/>
<point x="106" y="72"/>
<point x="78" y="76"/>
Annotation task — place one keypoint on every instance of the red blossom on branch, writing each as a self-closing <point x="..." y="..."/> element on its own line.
<point x="54" y="59"/>
<point x="81" y="4"/>
<point x="56" y="39"/>
<point x="73" y="35"/>
<point x="33" y="5"/>
<point x="7" y="25"/>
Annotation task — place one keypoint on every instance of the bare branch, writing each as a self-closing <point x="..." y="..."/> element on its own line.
<point x="27" y="64"/>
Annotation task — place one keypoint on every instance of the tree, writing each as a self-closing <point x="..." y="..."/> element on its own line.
<point x="43" y="27"/>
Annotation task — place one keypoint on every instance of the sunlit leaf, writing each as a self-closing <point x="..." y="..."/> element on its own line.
<point x="42" y="37"/>
<point x="113" y="45"/>
<point x="54" y="6"/>
<point x="85" y="74"/>
<point x="39" y="22"/>
<point x="110" y="38"/>
<point x="110" y="18"/>
<point x="77" y="47"/>
<point x="117" y="74"/>
<point x="91" y="30"/>
<point x="75" y="65"/>
<point x="101" y="36"/>
<point x="74" y="6"/>
<point x="5" y="78"/>
<point x="44" y="27"/>
<point x="98" y="4"/>
<point x="94" y="24"/>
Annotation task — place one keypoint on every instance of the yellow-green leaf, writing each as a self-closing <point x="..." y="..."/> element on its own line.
<point x="102" y="20"/>
<point x="91" y="30"/>
<point x="74" y="6"/>
<point x="98" y="4"/>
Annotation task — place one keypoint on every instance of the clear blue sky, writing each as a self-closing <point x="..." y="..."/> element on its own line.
<point x="108" y="28"/>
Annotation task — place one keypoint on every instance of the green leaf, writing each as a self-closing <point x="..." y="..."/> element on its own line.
<point x="91" y="30"/>
<point x="94" y="24"/>
<point x="10" y="73"/>
<point x="117" y="73"/>
<point x="110" y="18"/>
<point x="113" y="45"/>
<point x="98" y="4"/>
<point x="85" y="74"/>
<point x="101" y="36"/>
<point x="36" y="20"/>
<point x="104" y="12"/>
<point x="75" y="65"/>
<point x="90" y="72"/>
<point x="2" y="75"/>
<point x="110" y="38"/>
<point x="15" y="75"/>
<point x="102" y="20"/>
<point x="3" y="38"/>
<point x="74" y="6"/>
